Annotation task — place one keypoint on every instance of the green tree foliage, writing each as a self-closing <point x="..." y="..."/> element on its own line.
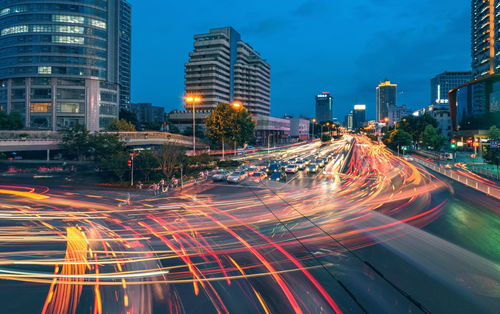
<point x="416" y="125"/>
<point x="129" y="116"/>
<point x="228" y="124"/>
<point x="398" y="138"/>
<point x="492" y="155"/>
<point x="76" y="142"/>
<point x="145" y="164"/>
<point x="432" y="138"/>
<point x="12" y="121"/>
<point x="104" y="145"/>
<point x="115" y="164"/>
<point x="169" y="157"/>
<point x="121" y="125"/>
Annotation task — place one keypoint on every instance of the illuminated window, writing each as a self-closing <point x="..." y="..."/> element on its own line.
<point x="40" y="107"/>
<point x="57" y="29"/>
<point x="14" y="30"/>
<point x="44" y="70"/>
<point x="68" y="40"/>
<point x="70" y="107"/>
<point x="79" y="20"/>
<point x="68" y="19"/>
<point x="16" y="9"/>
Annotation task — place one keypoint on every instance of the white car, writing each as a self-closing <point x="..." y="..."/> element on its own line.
<point x="237" y="177"/>
<point x="292" y="169"/>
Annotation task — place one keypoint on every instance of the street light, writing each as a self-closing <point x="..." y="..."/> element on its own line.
<point x="269" y="143"/>
<point x="236" y="106"/>
<point x="314" y="124"/>
<point x="192" y="100"/>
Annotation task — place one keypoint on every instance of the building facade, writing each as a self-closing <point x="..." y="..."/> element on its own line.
<point x="475" y="105"/>
<point x="60" y="62"/>
<point x="442" y="115"/>
<point x="223" y="68"/>
<point x="125" y="53"/>
<point x="147" y="113"/>
<point x="396" y="113"/>
<point x="386" y="97"/>
<point x="271" y="131"/>
<point x="300" y="128"/>
<point x="441" y="84"/>
<point x="324" y="107"/>
<point x="359" y="116"/>
<point x="485" y="24"/>
<point x="183" y="119"/>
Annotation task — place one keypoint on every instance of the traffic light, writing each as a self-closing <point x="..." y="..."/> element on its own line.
<point x="476" y="144"/>
<point x="129" y="163"/>
<point x="453" y="144"/>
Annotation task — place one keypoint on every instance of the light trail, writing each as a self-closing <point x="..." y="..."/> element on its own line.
<point x="148" y="250"/>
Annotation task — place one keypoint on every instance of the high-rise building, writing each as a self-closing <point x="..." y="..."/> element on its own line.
<point x="60" y="62"/>
<point x="358" y="116"/>
<point x="147" y="113"/>
<point x="485" y="37"/>
<point x="442" y="83"/>
<point x="223" y="68"/>
<point x="125" y="53"/>
<point x="324" y="107"/>
<point x="386" y="97"/>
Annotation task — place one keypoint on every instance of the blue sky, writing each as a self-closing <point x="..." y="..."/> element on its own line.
<point x="343" y="46"/>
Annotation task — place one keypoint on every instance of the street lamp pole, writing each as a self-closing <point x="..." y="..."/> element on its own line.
<point x="269" y="143"/>
<point x="193" y="100"/>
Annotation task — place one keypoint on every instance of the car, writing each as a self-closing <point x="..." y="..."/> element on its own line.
<point x="251" y="170"/>
<point x="292" y="169"/>
<point x="258" y="176"/>
<point x="312" y="168"/>
<point x="292" y="160"/>
<point x="283" y="165"/>
<point x="320" y="162"/>
<point x="278" y="176"/>
<point x="237" y="177"/>
<point x="301" y="164"/>
<point x="220" y="175"/>
<point x="273" y="168"/>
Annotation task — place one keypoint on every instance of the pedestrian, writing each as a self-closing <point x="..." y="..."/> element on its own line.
<point x="157" y="187"/>
<point x="162" y="184"/>
<point x="139" y="185"/>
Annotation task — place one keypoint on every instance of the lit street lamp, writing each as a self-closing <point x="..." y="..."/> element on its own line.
<point x="314" y="124"/>
<point x="192" y="100"/>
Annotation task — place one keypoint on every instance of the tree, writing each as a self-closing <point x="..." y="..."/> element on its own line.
<point x="416" y="125"/>
<point x="396" y="139"/>
<point x="115" y="164"/>
<point x="103" y="145"/>
<point x="12" y="121"/>
<point x="76" y="142"/>
<point x="145" y="163"/>
<point x="226" y="123"/>
<point x="121" y="125"/>
<point x="432" y="138"/>
<point x="168" y="157"/>
<point x="129" y="116"/>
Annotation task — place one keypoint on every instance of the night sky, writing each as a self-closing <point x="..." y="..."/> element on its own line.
<point x="345" y="47"/>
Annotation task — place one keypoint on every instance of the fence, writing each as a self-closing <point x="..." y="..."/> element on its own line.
<point x="485" y="188"/>
<point x="485" y="172"/>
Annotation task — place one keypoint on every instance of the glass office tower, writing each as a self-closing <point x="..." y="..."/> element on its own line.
<point x="60" y="62"/>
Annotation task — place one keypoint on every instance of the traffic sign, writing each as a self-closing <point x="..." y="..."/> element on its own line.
<point x="494" y="144"/>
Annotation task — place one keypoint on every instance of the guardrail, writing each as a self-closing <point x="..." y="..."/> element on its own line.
<point x="488" y="173"/>
<point x="479" y="186"/>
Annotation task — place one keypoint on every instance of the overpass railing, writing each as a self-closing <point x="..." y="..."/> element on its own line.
<point x="472" y="183"/>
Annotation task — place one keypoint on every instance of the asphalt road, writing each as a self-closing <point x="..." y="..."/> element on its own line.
<point x="381" y="237"/>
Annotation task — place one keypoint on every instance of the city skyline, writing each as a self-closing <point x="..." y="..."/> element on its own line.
<point x="345" y="71"/>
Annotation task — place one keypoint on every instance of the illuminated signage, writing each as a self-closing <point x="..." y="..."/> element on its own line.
<point x="359" y="107"/>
